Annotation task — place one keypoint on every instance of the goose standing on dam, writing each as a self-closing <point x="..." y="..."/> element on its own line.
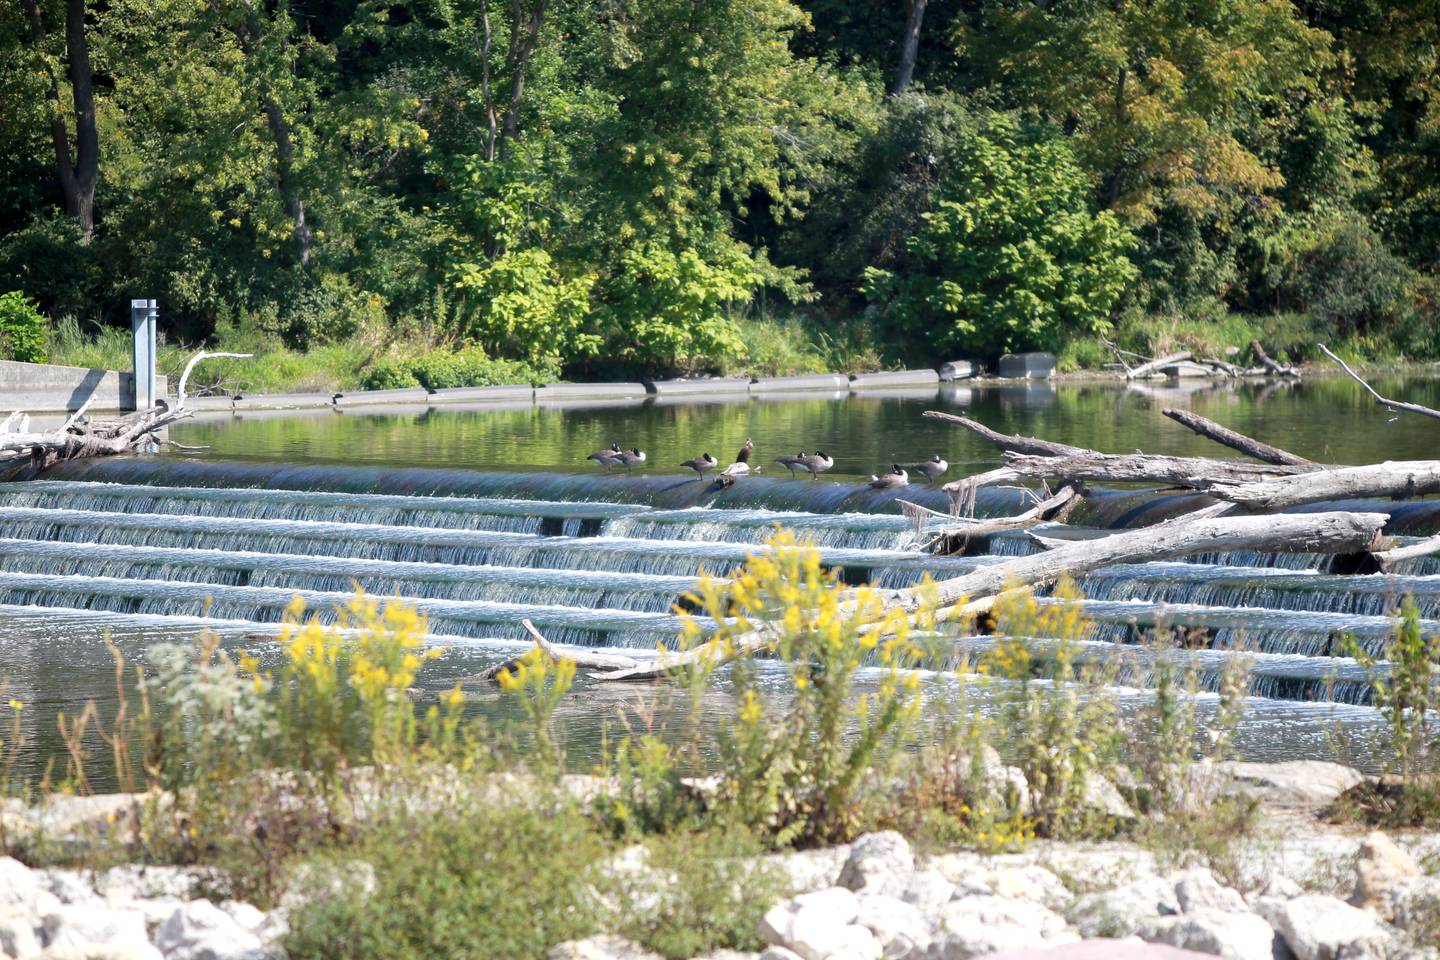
<point x="607" y="458"/>
<point x="817" y="463"/>
<point x="931" y="469"/>
<point x="631" y="458"/>
<point x="702" y="464"/>
<point x="792" y="463"/>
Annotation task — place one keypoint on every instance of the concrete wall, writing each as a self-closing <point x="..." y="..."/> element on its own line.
<point x="39" y="387"/>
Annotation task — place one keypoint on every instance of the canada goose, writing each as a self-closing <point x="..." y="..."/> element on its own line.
<point x="606" y="458"/>
<point x="792" y="463"/>
<point x="817" y="463"/>
<point x="631" y="458"/>
<point x="741" y="466"/>
<point x="929" y="469"/>
<point x="702" y="464"/>
<point x="744" y="455"/>
<point x="897" y="477"/>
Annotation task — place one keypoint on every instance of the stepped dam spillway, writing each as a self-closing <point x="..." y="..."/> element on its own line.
<point x="151" y="548"/>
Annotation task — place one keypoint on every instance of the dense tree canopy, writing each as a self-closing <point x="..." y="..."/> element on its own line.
<point x="577" y="182"/>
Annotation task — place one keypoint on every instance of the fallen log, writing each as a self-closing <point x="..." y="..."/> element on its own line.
<point x="1195" y="472"/>
<point x="1236" y="441"/>
<point x="1146" y="369"/>
<point x="1396" y="479"/>
<point x="1305" y="533"/>
<point x="582" y="658"/>
<point x="1424" y="548"/>
<point x="1273" y="368"/>
<point x="1006" y="441"/>
<point x="1049" y="510"/>
<point x="1395" y="405"/>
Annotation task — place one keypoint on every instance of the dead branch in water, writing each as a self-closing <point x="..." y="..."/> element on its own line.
<point x="1195" y="472"/>
<point x="1236" y="441"/>
<point x="1273" y="368"/>
<point x="1395" y="405"/>
<point x="581" y="657"/>
<point x="1396" y="480"/>
<point x="1005" y="441"/>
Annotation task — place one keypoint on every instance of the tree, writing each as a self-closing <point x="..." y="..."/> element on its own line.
<point x="1012" y="258"/>
<point x="79" y="172"/>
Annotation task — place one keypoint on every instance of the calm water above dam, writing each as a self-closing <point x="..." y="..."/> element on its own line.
<point x="483" y="516"/>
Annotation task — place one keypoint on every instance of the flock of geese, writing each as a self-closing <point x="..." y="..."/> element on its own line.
<point x="814" y="464"/>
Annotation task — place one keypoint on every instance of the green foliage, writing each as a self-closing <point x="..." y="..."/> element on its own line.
<point x="526" y="305"/>
<point x="22" y="329"/>
<point x="1011" y="258"/>
<point x="1405" y="693"/>
<point x="441" y="369"/>
<point x="506" y="880"/>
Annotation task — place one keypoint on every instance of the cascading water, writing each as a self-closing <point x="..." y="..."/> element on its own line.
<point x="599" y="560"/>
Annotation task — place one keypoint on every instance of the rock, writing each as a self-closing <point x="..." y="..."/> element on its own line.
<point x="1320" y="927"/>
<point x="1102" y="796"/>
<point x="80" y="928"/>
<point x="69" y="886"/>
<point x="249" y="917"/>
<point x="1199" y="890"/>
<point x="67" y="818"/>
<point x="1119" y="912"/>
<point x="811" y="870"/>
<point x="1279" y="885"/>
<point x="779" y="953"/>
<point x="874" y="858"/>
<point x="1414" y="904"/>
<point x="957" y="370"/>
<point x="820" y="925"/>
<point x="1292" y="783"/>
<point x="136" y="882"/>
<point x="1232" y="935"/>
<point x="18" y="884"/>
<point x="199" y="930"/>
<point x="1030" y="882"/>
<point x="900" y="928"/>
<point x="979" y="925"/>
<point x="19" y="933"/>
<point x="1104" y="950"/>
<point x="727" y="954"/>
<point x="602" y="947"/>
<point x="1380" y="866"/>
<point x="926" y="890"/>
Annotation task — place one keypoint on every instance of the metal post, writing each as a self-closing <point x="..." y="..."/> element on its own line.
<point x="143" y="317"/>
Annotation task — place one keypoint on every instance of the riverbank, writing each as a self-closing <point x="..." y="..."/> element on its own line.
<point x="1297" y="885"/>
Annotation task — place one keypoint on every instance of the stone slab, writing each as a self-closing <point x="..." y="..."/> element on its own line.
<point x="1026" y="366"/>
<point x="588" y="391"/>
<point x="362" y="398"/>
<point x="503" y="394"/>
<point x="48" y="387"/>
<point x="818" y="381"/>
<point x="894" y="378"/>
<point x="209" y="403"/>
<point x="958" y="370"/>
<point x="283" y="401"/>
<point x="701" y="385"/>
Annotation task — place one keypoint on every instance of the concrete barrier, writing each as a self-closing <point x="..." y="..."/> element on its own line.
<point x="695" y="399"/>
<point x="1027" y="366"/>
<point x="364" y="398"/>
<point x="210" y="403"/>
<point x="897" y="378"/>
<point x="958" y="370"/>
<point x="678" y="388"/>
<point x="284" y="401"/>
<point x="819" y="381"/>
<point x="38" y="387"/>
<point x="588" y="391"/>
<point x="506" y="394"/>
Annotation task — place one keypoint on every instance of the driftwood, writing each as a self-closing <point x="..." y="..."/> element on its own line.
<point x="79" y="436"/>
<point x="1051" y="509"/>
<point x="1195" y="472"/>
<point x="1397" y="479"/>
<point x="1307" y="533"/>
<point x="1383" y="401"/>
<point x="1273" y="368"/>
<point x="582" y="658"/>
<point x="1005" y="441"/>
<point x="1235" y="441"/>
<point x="1146" y="369"/>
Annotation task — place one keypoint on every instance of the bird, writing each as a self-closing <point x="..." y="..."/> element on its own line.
<point x="741" y="466"/>
<point x="929" y="469"/>
<point x="897" y="477"/>
<point x="791" y="463"/>
<point x="817" y="463"/>
<point x="631" y="458"/>
<point x="607" y="458"/>
<point x="702" y="464"/>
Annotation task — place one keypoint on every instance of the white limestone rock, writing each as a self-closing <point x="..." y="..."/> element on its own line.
<point x="1226" y="934"/>
<point x="901" y="929"/>
<point x="199" y="930"/>
<point x="1414" y="904"/>
<point x="1120" y="911"/>
<point x="927" y="890"/>
<point x="876" y="857"/>
<point x="1321" y="927"/>
<point x="779" y="953"/>
<point x="602" y="947"/>
<point x="1379" y="868"/>
<point x="82" y="928"/>
<point x="809" y="870"/>
<point x="979" y="925"/>
<point x="20" y="933"/>
<point x="1198" y="890"/>
<point x="1291" y="783"/>
<point x="820" y="926"/>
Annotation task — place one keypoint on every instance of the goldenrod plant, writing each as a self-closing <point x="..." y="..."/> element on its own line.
<point x="539" y="684"/>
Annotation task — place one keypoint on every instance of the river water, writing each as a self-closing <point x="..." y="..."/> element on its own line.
<point x="483" y="516"/>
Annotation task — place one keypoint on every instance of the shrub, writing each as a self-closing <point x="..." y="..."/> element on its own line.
<point x="470" y="367"/>
<point x="22" y="329"/>
<point x="491" y="881"/>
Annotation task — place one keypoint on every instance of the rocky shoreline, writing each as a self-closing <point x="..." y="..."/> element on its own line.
<point x="1302" y="889"/>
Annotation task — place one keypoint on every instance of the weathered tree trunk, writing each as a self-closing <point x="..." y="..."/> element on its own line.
<point x="1400" y="479"/>
<point x="1424" y="548"/>
<point x="1005" y="441"/>
<point x="523" y="40"/>
<point x="1195" y="472"/>
<point x="1271" y="367"/>
<point x="1236" y="441"/>
<point x="582" y="658"/>
<point x="909" y="48"/>
<point x="1145" y="369"/>
<point x="1395" y="405"/>
<point x="77" y="175"/>
<point x="953" y="538"/>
